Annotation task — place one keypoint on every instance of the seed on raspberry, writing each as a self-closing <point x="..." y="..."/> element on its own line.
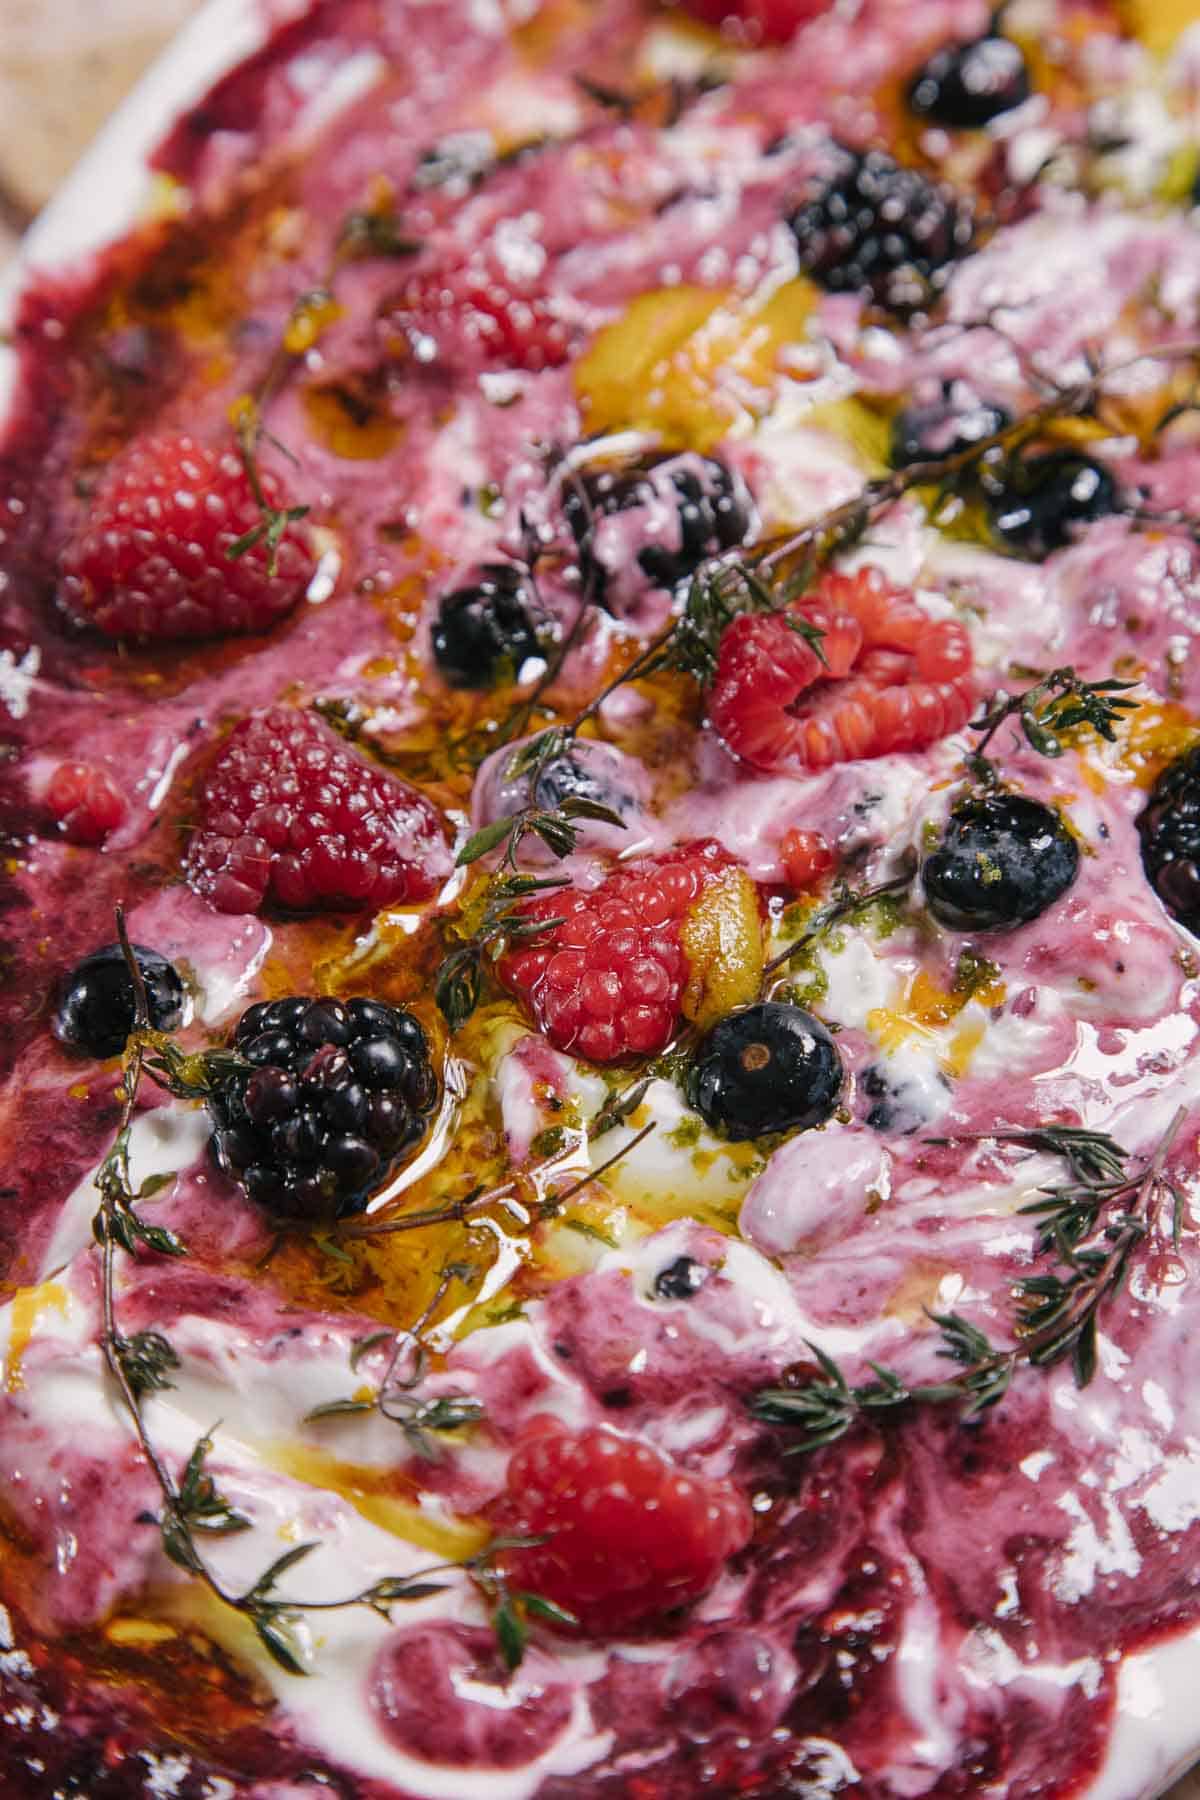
<point x="330" y="1095"/>
<point x="151" y="562"/>
<point x="608" y="981"/>
<point x="630" y="1536"/>
<point x="891" y="678"/>
<point x="289" y="814"/>
<point x="84" y="802"/>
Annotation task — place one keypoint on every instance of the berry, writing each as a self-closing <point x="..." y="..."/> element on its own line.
<point x="965" y="86"/>
<point x="681" y="1280"/>
<point x="1002" y="860"/>
<point x="681" y="510"/>
<point x="480" y="313"/>
<point x="1170" y="832"/>
<point x="630" y="1537"/>
<point x="485" y="632"/>
<point x="879" y="229"/>
<point x="609" y="980"/>
<point x="576" y="775"/>
<point x="770" y="1067"/>
<point x="332" y="1093"/>
<point x="806" y="857"/>
<point x="84" y="802"/>
<point x="957" y="420"/>
<point x="151" y="562"/>
<point x="754" y="22"/>
<point x="1042" y="499"/>
<point x="96" y="1007"/>
<point x="892" y="678"/>
<point x="287" y="813"/>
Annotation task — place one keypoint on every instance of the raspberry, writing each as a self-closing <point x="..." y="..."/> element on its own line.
<point x="607" y="982"/>
<point x="757" y="21"/>
<point x="84" y="802"/>
<point x="892" y="679"/>
<point x="151" y="561"/>
<point x="630" y="1536"/>
<point x="805" y="857"/>
<point x="331" y="1095"/>
<point x="477" y="315"/>
<point x="287" y="813"/>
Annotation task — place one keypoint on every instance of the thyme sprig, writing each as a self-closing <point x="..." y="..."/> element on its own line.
<point x="395" y="1399"/>
<point x="1057" y="1315"/>
<point x="458" y="982"/>
<point x="193" y="1506"/>
<point x="718" y="594"/>
<point x="1048" y="712"/>
<point x="273" y="521"/>
<point x="846" y="903"/>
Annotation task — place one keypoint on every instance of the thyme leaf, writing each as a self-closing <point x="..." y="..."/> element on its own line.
<point x="846" y="903"/>
<point x="1056" y="705"/>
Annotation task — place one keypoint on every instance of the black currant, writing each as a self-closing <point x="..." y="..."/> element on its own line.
<point x="1040" y="500"/>
<point x="965" y="86"/>
<point x="956" y="421"/>
<point x="1003" y="859"/>
<point x="483" y="633"/>
<point x="1170" y="832"/>
<point x="96" y="1006"/>
<point x="770" y="1067"/>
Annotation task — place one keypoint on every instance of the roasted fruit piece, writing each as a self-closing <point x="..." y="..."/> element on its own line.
<point x="630" y="1536"/>
<point x="152" y="560"/>
<point x="288" y="814"/>
<point x="854" y="669"/>
<point x="332" y="1094"/>
<point x="657" y="938"/>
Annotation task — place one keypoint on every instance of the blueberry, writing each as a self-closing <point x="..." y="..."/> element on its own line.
<point x="1040" y="500"/>
<point x="1003" y="860"/>
<point x="897" y="1105"/>
<point x="681" y="1279"/>
<point x="1170" y="832"/>
<point x="569" y="777"/>
<point x="966" y="86"/>
<point x="943" y="427"/>
<point x="712" y="511"/>
<point x="485" y="632"/>
<point x="770" y="1067"/>
<point x="96" y="1006"/>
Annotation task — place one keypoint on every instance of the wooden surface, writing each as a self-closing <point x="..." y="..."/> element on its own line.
<point x="64" y="65"/>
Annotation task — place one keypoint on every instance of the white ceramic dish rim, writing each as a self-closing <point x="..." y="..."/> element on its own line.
<point x="1155" y="1737"/>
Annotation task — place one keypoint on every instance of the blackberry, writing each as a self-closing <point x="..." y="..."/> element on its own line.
<point x="1002" y="861"/>
<point x="877" y="228"/>
<point x="1169" y="829"/>
<point x="955" y="421"/>
<point x="96" y="1007"/>
<point x="709" y="504"/>
<point x="334" y="1094"/>
<point x="966" y="86"/>
<point x="1041" y="500"/>
<point x="483" y="633"/>
<point x="770" y="1067"/>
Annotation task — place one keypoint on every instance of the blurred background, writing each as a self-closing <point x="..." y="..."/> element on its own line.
<point x="64" y="65"/>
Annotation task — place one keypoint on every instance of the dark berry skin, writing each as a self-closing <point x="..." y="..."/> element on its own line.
<point x="770" y="1067"/>
<point x="333" y="1093"/>
<point x="713" y="508"/>
<point x="569" y="777"/>
<point x="1003" y="860"/>
<point x="483" y="633"/>
<point x="681" y="1280"/>
<point x="96" y="1006"/>
<point x="1042" y="499"/>
<point x="956" y="422"/>
<point x="1170" y="832"/>
<point x="882" y="230"/>
<point x="966" y="86"/>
